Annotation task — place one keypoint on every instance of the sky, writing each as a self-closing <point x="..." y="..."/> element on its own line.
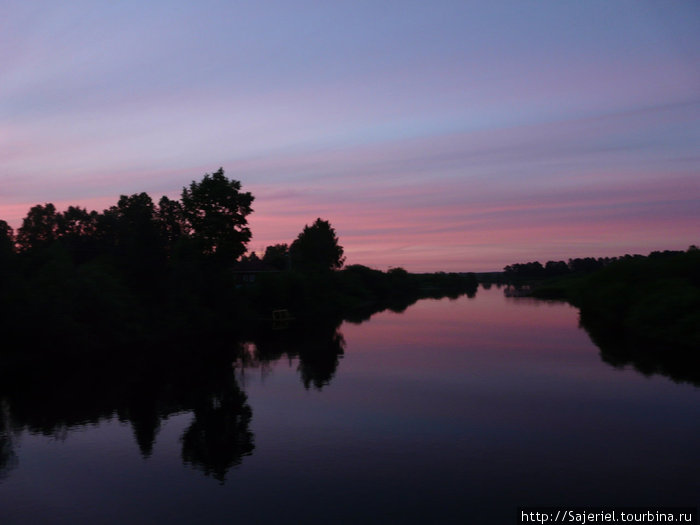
<point x="435" y="136"/>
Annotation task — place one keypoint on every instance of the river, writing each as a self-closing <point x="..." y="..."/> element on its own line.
<point x="453" y="411"/>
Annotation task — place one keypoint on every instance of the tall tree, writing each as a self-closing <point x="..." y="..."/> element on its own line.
<point x="170" y="220"/>
<point x="39" y="228"/>
<point x="77" y="230"/>
<point x="317" y="249"/>
<point x="134" y="224"/>
<point x="133" y="235"/>
<point x="216" y="211"/>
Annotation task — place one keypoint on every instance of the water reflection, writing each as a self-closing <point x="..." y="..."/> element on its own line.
<point x="8" y="458"/>
<point x="53" y="399"/>
<point x="618" y="351"/>
<point x="56" y="400"/>
<point x="219" y="436"/>
<point x="318" y="347"/>
<point x="458" y="402"/>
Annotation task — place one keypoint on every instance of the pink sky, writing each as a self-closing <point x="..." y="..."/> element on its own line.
<point x="452" y="137"/>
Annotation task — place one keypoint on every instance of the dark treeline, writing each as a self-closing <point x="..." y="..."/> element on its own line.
<point x="643" y="310"/>
<point x="533" y="271"/>
<point x="353" y="294"/>
<point x="140" y="274"/>
<point x="136" y="273"/>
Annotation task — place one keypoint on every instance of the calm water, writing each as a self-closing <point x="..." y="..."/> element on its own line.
<point x="453" y="411"/>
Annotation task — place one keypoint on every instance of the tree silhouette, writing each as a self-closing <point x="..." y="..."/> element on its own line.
<point x="215" y="210"/>
<point x="170" y="220"/>
<point x="317" y="249"/>
<point x="132" y="233"/>
<point x="277" y="256"/>
<point x="39" y="228"/>
<point x="76" y="222"/>
<point x="7" y="242"/>
<point x="77" y="230"/>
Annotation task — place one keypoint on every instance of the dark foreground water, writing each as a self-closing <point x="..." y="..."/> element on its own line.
<point x="455" y="411"/>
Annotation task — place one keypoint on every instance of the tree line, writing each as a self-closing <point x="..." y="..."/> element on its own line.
<point x="535" y="270"/>
<point x="208" y="224"/>
<point x="635" y="307"/>
<point x="173" y="270"/>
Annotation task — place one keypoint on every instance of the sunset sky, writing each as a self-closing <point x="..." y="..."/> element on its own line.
<point x="453" y="135"/>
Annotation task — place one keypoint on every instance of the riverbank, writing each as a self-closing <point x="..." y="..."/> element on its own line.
<point x="651" y="303"/>
<point x="89" y="311"/>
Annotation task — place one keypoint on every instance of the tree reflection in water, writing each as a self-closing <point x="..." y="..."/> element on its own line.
<point x="8" y="458"/>
<point x="55" y="399"/>
<point x="318" y="347"/>
<point x="619" y="350"/>
<point x="219" y="437"/>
